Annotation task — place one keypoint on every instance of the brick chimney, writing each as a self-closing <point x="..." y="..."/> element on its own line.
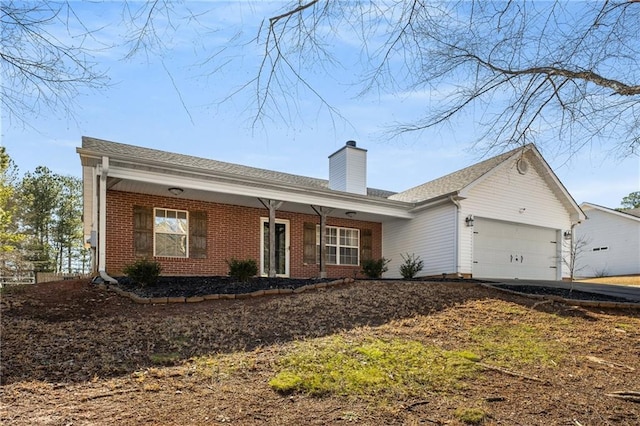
<point x="348" y="169"/>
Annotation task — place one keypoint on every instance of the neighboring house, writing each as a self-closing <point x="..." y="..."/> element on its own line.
<point x="505" y="217"/>
<point x="609" y="242"/>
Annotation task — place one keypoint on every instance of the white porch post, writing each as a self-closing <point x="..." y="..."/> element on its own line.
<point x="102" y="222"/>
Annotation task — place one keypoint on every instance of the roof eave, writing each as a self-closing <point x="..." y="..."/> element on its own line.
<point x="126" y="167"/>
<point x="610" y="211"/>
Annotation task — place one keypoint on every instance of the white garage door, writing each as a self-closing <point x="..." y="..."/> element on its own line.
<point x="510" y="250"/>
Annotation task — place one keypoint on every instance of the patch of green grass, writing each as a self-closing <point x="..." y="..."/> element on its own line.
<point x="371" y="367"/>
<point x="470" y="416"/>
<point x="624" y="326"/>
<point x="164" y="358"/>
<point x="514" y="345"/>
<point x="511" y="308"/>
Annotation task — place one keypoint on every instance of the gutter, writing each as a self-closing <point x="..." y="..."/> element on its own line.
<point x="440" y="199"/>
<point x="128" y="168"/>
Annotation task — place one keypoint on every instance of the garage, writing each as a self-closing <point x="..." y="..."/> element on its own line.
<point x="514" y="250"/>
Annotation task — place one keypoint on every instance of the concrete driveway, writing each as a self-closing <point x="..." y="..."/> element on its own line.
<point x="628" y="292"/>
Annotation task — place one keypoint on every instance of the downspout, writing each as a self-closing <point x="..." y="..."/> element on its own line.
<point x="94" y="220"/>
<point x="102" y="223"/>
<point x="456" y="236"/>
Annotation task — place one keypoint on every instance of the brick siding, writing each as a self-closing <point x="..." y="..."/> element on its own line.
<point x="233" y="232"/>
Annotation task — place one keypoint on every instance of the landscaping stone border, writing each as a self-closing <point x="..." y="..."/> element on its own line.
<point x="195" y="299"/>
<point x="575" y="302"/>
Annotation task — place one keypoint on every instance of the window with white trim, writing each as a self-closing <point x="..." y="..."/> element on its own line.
<point x="170" y="233"/>
<point x="342" y="244"/>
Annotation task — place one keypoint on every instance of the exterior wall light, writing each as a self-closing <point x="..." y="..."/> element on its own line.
<point x="469" y="220"/>
<point x="567" y="235"/>
<point x="176" y="191"/>
<point x="350" y="213"/>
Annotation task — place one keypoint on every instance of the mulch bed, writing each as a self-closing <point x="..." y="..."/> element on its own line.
<point x="564" y="293"/>
<point x="191" y="286"/>
<point x="203" y="285"/>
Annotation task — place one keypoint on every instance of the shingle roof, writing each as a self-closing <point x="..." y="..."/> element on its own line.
<point x="135" y="152"/>
<point x="452" y="182"/>
<point x="632" y="212"/>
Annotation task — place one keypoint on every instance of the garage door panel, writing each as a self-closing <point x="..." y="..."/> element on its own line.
<point x="510" y="250"/>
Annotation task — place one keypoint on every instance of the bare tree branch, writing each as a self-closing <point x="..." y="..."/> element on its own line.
<point x="617" y="86"/>
<point x="545" y="63"/>
<point x="288" y="14"/>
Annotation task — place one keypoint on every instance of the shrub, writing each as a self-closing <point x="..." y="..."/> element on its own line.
<point x="411" y="266"/>
<point x="601" y="272"/>
<point x="374" y="268"/>
<point x="144" y="271"/>
<point x="242" y="270"/>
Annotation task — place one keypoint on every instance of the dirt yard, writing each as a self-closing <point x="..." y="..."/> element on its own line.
<point x="73" y="354"/>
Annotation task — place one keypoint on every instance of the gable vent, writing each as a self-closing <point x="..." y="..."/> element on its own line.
<point x="522" y="166"/>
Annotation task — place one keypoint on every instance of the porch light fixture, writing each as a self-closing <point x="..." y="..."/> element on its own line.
<point x="469" y="220"/>
<point x="176" y="191"/>
<point x="567" y="235"/>
<point x="350" y="213"/>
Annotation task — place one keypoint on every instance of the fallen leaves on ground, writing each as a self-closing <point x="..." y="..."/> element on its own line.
<point x="75" y="354"/>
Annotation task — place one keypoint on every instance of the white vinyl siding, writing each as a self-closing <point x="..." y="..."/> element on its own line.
<point x="621" y="237"/>
<point x="171" y="233"/>
<point x="509" y="196"/>
<point x="348" y="170"/>
<point x="430" y="235"/>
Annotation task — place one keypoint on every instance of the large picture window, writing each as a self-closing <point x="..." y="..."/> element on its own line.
<point x="171" y="233"/>
<point x="343" y="245"/>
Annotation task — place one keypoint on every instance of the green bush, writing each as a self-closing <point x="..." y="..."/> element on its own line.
<point x="411" y="266"/>
<point x="374" y="268"/>
<point x="144" y="271"/>
<point x="242" y="270"/>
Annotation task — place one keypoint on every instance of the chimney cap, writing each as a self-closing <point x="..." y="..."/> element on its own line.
<point x="351" y="143"/>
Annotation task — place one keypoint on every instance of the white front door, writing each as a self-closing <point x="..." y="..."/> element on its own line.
<point x="514" y="250"/>
<point x="282" y="247"/>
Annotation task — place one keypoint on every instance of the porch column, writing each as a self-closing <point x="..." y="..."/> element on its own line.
<point x="323" y="212"/>
<point x="272" y="206"/>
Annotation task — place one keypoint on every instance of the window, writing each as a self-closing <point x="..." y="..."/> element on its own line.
<point x="343" y="245"/>
<point x="170" y="231"/>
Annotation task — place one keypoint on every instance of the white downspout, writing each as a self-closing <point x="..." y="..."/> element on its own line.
<point x="456" y="233"/>
<point x="94" y="219"/>
<point x="102" y="223"/>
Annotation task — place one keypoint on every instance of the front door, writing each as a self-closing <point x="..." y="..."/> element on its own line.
<point x="282" y="247"/>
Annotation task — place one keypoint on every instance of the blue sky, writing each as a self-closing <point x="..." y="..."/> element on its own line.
<point x="170" y="103"/>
